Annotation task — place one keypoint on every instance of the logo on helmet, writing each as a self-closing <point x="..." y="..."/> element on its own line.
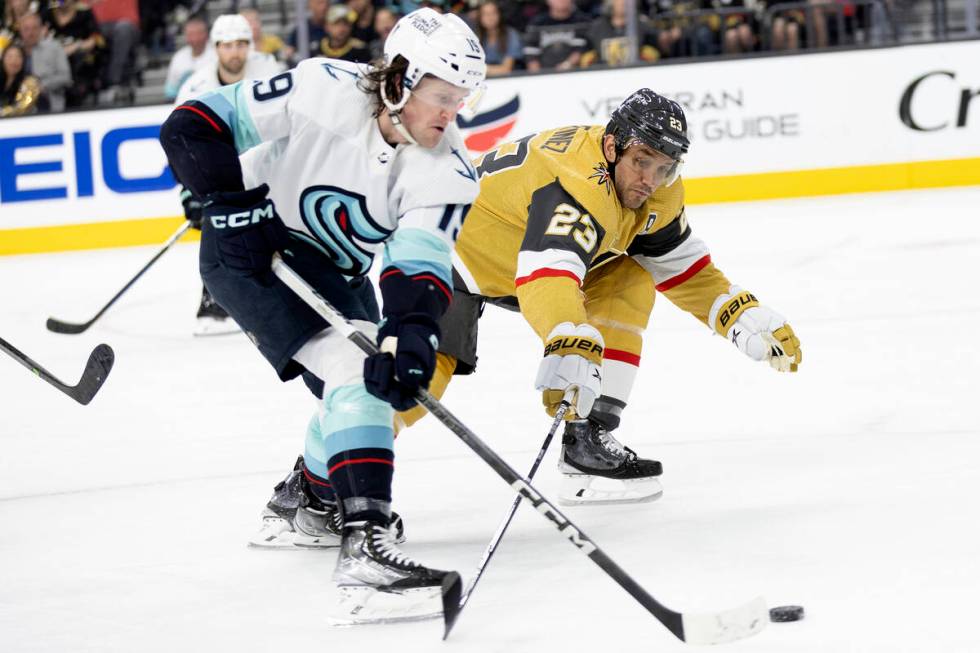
<point x="428" y="26"/>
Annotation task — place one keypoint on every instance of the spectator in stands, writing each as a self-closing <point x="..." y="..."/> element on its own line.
<point x="738" y="31"/>
<point x="46" y="60"/>
<point x="119" y="22"/>
<point x="501" y="43"/>
<point x="558" y="38"/>
<point x="19" y="91"/>
<point x="263" y="42"/>
<point x="682" y="34"/>
<point x="364" y="27"/>
<point x="316" y="18"/>
<point x="384" y="22"/>
<point x="786" y="29"/>
<point x="197" y="54"/>
<point x="74" y="26"/>
<point x="339" y="42"/>
<point x="10" y="15"/>
<point x="607" y="34"/>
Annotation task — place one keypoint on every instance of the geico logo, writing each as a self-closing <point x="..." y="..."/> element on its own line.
<point x="242" y="218"/>
<point x="735" y="306"/>
<point x="946" y="94"/>
<point x="573" y="342"/>
<point x="68" y="163"/>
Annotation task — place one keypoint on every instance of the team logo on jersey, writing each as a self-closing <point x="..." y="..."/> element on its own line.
<point x="487" y="129"/>
<point x="468" y="171"/>
<point x="601" y="176"/>
<point x="341" y="224"/>
<point x="651" y="219"/>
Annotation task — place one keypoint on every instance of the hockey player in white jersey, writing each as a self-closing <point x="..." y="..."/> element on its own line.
<point x="348" y="161"/>
<point x="231" y="36"/>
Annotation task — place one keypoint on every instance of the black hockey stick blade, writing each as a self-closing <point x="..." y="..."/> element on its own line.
<point x="96" y="371"/>
<point x="73" y="328"/>
<point x="499" y="534"/>
<point x="67" y="327"/>
<point x="452" y="591"/>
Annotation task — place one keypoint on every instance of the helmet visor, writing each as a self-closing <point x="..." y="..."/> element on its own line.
<point x="440" y="94"/>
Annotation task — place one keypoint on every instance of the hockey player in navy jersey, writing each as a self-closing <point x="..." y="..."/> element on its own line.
<point x="330" y="163"/>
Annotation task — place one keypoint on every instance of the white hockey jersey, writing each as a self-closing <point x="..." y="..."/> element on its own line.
<point x="258" y="66"/>
<point x="336" y="182"/>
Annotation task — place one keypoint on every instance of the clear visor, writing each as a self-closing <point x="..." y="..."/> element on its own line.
<point x="447" y="97"/>
<point x="673" y="173"/>
<point x="664" y="174"/>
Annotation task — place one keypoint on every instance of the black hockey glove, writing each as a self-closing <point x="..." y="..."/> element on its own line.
<point x="247" y="230"/>
<point x="406" y="361"/>
<point x="192" y="208"/>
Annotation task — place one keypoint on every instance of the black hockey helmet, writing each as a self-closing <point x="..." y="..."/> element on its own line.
<point x="653" y="120"/>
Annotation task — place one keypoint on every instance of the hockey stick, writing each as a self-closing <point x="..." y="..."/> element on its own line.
<point x="708" y="628"/>
<point x="96" y="371"/>
<point x="453" y="615"/>
<point x="73" y="327"/>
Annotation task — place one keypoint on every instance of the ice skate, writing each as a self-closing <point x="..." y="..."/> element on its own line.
<point x="378" y="583"/>
<point x="212" y="320"/>
<point x="599" y="469"/>
<point x="295" y="518"/>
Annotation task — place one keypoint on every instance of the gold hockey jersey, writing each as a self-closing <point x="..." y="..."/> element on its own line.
<point x="548" y="216"/>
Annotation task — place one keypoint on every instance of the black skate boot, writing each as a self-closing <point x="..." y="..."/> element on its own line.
<point x="296" y="518"/>
<point x="378" y="583"/>
<point x="599" y="469"/>
<point x="212" y="320"/>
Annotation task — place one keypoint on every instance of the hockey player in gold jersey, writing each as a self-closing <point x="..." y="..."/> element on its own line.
<point x="579" y="228"/>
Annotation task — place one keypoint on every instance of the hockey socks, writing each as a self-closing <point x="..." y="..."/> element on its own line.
<point x="361" y="479"/>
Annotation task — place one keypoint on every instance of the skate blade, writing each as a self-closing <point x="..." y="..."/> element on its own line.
<point x="360" y="606"/>
<point x="582" y="489"/>
<point x="208" y="326"/>
<point x="277" y="534"/>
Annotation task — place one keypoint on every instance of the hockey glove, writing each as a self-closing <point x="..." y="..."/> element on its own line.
<point x="247" y="230"/>
<point x="192" y="208"/>
<point x="759" y="332"/>
<point x="406" y="361"/>
<point x="572" y="358"/>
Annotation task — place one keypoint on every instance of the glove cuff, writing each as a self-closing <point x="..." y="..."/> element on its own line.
<point x="727" y="308"/>
<point x="392" y="324"/>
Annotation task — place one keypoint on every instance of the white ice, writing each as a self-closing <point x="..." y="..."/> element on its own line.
<point x="851" y="488"/>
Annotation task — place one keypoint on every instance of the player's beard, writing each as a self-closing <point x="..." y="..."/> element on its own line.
<point x="633" y="198"/>
<point x="233" y="66"/>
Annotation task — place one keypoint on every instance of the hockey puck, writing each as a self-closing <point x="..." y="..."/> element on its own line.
<point x="786" y="613"/>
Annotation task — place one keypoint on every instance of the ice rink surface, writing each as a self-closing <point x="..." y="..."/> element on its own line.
<point x="851" y="488"/>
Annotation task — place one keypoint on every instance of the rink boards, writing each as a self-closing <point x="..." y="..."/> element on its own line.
<point x="761" y="128"/>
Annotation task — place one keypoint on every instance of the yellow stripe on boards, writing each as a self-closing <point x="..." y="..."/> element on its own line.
<point x="95" y="235"/>
<point x="833" y="181"/>
<point x="702" y="190"/>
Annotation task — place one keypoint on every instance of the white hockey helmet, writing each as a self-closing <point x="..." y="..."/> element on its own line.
<point x="230" y="27"/>
<point x="436" y="44"/>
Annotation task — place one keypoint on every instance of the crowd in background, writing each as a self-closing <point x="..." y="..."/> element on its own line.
<point x="59" y="54"/>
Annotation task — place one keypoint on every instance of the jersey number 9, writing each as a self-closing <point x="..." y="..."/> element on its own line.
<point x="273" y="87"/>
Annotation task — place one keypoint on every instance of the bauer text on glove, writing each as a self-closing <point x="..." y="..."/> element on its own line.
<point x="572" y="360"/>
<point x="759" y="332"/>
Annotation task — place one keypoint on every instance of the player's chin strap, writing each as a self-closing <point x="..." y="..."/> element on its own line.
<point x="394" y="112"/>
